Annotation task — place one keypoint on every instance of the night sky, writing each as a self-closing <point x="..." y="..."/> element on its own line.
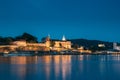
<point x="89" y="19"/>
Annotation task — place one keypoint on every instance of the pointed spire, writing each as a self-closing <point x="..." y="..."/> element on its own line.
<point x="49" y="35"/>
<point x="63" y="39"/>
<point x="48" y="38"/>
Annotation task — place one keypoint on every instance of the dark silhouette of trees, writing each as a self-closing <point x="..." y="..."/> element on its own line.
<point x="1" y="40"/>
<point x="28" y="37"/>
<point x="25" y="36"/>
<point x="6" y="40"/>
<point x="75" y="46"/>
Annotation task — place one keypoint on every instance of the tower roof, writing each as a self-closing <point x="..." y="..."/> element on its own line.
<point x="48" y="35"/>
<point x="63" y="39"/>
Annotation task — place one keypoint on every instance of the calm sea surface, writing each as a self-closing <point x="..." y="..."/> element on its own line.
<point x="60" y="67"/>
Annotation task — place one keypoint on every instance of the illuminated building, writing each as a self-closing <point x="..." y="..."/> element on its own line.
<point x="101" y="45"/>
<point x="19" y="43"/>
<point x="115" y="47"/>
<point x="45" y="45"/>
<point x="82" y="50"/>
<point x="63" y="44"/>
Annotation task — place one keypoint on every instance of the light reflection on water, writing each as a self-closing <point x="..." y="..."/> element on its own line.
<point x="60" y="67"/>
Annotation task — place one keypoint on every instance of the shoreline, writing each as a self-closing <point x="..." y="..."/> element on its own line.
<point x="40" y="53"/>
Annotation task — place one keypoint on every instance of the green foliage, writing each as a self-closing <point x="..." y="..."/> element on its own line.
<point x="25" y="36"/>
<point x="91" y="44"/>
<point x="6" y="40"/>
<point x="43" y="39"/>
<point x="96" y="48"/>
<point x="1" y="40"/>
<point x="28" y="37"/>
<point x="75" y="46"/>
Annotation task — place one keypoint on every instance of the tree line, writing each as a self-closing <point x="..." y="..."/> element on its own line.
<point x="25" y="36"/>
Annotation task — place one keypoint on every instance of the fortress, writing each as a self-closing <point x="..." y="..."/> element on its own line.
<point x="45" y="45"/>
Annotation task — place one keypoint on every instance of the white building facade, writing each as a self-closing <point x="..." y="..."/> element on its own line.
<point x="115" y="47"/>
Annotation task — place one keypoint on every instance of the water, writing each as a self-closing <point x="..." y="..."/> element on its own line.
<point x="60" y="67"/>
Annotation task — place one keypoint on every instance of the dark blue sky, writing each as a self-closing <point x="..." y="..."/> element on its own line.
<point x="91" y="19"/>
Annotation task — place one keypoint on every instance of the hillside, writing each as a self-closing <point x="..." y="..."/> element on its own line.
<point x="91" y="43"/>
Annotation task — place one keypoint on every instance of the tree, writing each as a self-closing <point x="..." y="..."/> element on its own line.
<point x="28" y="37"/>
<point x="76" y="46"/>
<point x="6" y="40"/>
<point x="1" y="40"/>
<point x="43" y="39"/>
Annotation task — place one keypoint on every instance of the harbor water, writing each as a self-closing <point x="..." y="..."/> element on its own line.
<point x="60" y="67"/>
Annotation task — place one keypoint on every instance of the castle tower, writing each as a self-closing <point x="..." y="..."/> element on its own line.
<point x="63" y="39"/>
<point x="47" y="41"/>
<point x="48" y="38"/>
